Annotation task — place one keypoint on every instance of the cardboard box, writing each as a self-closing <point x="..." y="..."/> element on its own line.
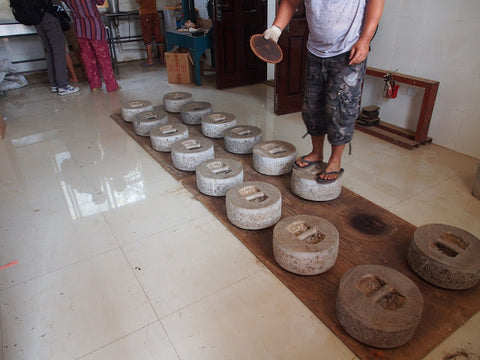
<point x="179" y="66"/>
<point x="205" y="24"/>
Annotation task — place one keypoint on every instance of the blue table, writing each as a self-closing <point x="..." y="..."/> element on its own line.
<point x="196" y="44"/>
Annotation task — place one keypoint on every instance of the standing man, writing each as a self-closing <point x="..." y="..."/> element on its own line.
<point x="150" y="24"/>
<point x="338" y="43"/>
<point x="53" y="42"/>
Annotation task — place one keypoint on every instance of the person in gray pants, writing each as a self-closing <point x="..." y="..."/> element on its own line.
<point x="54" y="45"/>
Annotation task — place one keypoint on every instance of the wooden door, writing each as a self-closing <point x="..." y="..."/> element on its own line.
<point x="234" y="22"/>
<point x="290" y="73"/>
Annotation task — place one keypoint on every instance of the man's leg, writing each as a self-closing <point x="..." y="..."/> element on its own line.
<point x="313" y="109"/>
<point x="342" y="108"/>
<point x="71" y="68"/>
<point x="149" y="54"/>
<point x="146" y="26"/>
<point x="334" y="164"/>
<point x="316" y="154"/>
<point x="161" y="53"/>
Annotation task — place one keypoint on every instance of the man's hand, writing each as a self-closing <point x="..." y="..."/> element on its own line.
<point x="273" y="33"/>
<point x="359" y="52"/>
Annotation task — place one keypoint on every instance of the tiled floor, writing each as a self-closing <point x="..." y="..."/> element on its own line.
<point x="117" y="261"/>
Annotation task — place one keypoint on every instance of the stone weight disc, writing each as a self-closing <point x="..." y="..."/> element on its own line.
<point x="305" y="185"/>
<point x="445" y="256"/>
<point x="188" y="153"/>
<point x="173" y="101"/>
<point x="134" y="107"/>
<point x="274" y="157"/>
<point x="378" y="306"/>
<point x="192" y="113"/>
<point x="145" y="121"/>
<point x="163" y="136"/>
<point x="214" y="124"/>
<point x="215" y="177"/>
<point x="241" y="139"/>
<point x="253" y="205"/>
<point x="267" y="50"/>
<point x="305" y="244"/>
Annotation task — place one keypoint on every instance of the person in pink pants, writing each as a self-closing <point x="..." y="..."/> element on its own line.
<point x="92" y="39"/>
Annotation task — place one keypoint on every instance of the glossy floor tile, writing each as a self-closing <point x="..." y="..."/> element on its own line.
<point x="113" y="259"/>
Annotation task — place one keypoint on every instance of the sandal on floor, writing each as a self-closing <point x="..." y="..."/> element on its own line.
<point x="308" y="162"/>
<point x="144" y="64"/>
<point x="328" y="181"/>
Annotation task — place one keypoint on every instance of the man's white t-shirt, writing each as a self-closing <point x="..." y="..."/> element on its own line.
<point x="334" y="25"/>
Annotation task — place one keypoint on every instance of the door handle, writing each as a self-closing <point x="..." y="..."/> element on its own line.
<point x="218" y="10"/>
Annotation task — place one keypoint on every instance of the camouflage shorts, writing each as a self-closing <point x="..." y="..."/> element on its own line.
<point x="331" y="100"/>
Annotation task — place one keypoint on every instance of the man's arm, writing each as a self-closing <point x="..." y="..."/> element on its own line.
<point x="373" y="12"/>
<point x="284" y="15"/>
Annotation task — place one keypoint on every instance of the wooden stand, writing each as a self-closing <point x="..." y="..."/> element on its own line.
<point x="397" y="135"/>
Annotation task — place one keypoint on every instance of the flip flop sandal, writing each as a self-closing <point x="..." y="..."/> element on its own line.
<point x="146" y="65"/>
<point x="308" y="162"/>
<point x="328" y="181"/>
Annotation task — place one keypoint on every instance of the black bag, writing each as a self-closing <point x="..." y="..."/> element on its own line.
<point x="62" y="16"/>
<point x="28" y="12"/>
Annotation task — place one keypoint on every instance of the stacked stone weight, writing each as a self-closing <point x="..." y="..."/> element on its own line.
<point x="253" y="205"/>
<point x="305" y="244"/>
<point x="215" y="177"/>
<point x="145" y="121"/>
<point x="172" y="102"/>
<point x="304" y="184"/>
<point x="378" y="306"/>
<point x="134" y="107"/>
<point x="274" y="157"/>
<point x="164" y="136"/>
<point x="214" y="124"/>
<point x="241" y="139"/>
<point x="188" y="153"/>
<point x="192" y="113"/>
<point x="445" y="256"/>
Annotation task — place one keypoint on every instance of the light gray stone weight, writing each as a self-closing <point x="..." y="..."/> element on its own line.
<point x="215" y="177"/>
<point x="188" y="153"/>
<point x="173" y="101"/>
<point x="134" y="107"/>
<point x="241" y="139"/>
<point x="445" y="256"/>
<point x="274" y="157"/>
<point x="305" y="185"/>
<point x="145" y="121"/>
<point x="305" y="244"/>
<point x="254" y="205"/>
<point x="214" y="124"/>
<point x="163" y="136"/>
<point x="378" y="306"/>
<point x="192" y="113"/>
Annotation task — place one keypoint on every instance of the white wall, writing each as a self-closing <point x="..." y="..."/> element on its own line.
<point x="433" y="39"/>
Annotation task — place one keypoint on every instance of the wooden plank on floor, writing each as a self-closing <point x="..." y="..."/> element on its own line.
<point x="409" y="134"/>
<point x="369" y="234"/>
<point x="388" y="136"/>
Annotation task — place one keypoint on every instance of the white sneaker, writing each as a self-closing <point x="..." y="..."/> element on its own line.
<point x="53" y="89"/>
<point x="68" y="90"/>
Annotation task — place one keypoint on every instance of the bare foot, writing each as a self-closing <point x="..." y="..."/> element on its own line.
<point x="331" y="172"/>
<point x="306" y="160"/>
